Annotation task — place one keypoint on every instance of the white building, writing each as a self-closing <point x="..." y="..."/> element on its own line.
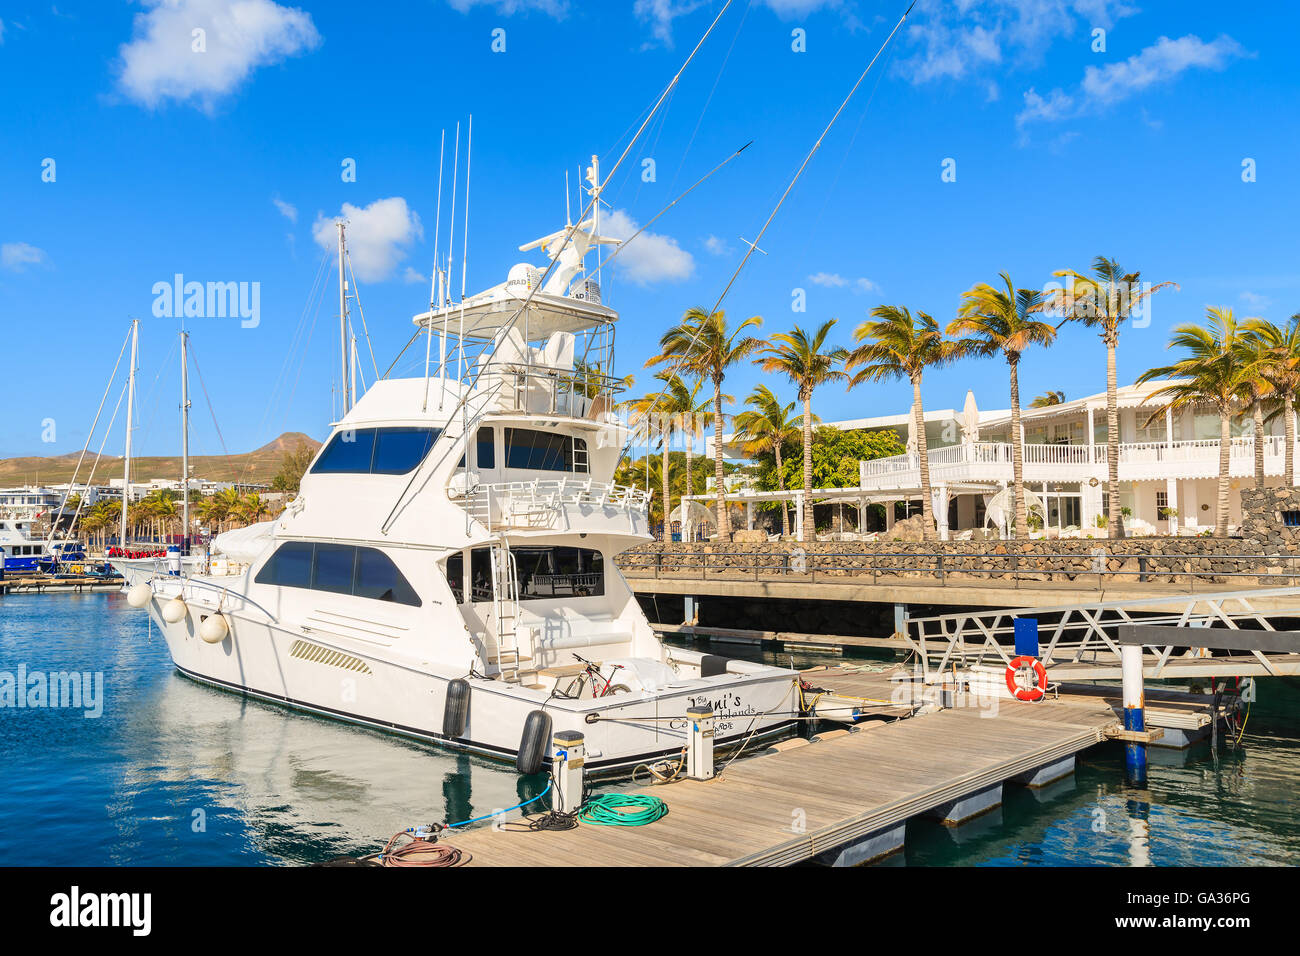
<point x="1168" y="465"/>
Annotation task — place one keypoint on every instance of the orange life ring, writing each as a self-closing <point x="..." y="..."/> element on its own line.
<point x="1022" y="693"/>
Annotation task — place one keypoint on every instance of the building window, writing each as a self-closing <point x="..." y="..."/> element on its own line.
<point x="1162" y="502"/>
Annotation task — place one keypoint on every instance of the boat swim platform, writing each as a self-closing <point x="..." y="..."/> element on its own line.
<point x="842" y="798"/>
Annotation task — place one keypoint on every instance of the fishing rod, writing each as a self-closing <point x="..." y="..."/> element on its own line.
<point x="623" y="244"/>
<point x="780" y="202"/>
<point x="597" y="189"/>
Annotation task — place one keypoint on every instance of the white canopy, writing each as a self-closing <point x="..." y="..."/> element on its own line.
<point x="999" y="510"/>
<point x="695" y="514"/>
<point x="244" y="545"/>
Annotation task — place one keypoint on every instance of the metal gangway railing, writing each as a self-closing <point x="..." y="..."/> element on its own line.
<point x="1080" y="640"/>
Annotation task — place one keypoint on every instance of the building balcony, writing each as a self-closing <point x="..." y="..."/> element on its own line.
<point x="1138" y="461"/>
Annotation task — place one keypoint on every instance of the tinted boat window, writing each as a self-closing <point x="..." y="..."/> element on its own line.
<point x="487" y="451"/>
<point x="542" y="451"/>
<point x="289" y="567"/>
<point x="394" y="450"/>
<point x="399" y="450"/>
<point x="378" y="578"/>
<point x="339" y="569"/>
<point x="347" y="452"/>
<point x="333" y="568"/>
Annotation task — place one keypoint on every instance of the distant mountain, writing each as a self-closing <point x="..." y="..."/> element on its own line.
<point x="255" y="467"/>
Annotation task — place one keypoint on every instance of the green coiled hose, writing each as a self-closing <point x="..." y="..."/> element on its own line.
<point x="623" y="810"/>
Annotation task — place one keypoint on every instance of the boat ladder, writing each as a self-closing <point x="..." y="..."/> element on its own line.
<point x="505" y="612"/>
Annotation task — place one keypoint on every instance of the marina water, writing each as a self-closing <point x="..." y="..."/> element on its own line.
<point x="176" y="773"/>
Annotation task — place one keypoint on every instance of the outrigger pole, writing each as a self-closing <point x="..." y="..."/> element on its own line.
<point x="564" y="243"/>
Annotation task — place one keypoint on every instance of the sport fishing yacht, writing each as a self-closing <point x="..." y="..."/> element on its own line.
<point x="447" y="569"/>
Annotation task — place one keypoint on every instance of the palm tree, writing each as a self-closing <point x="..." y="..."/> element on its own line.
<point x="666" y="409"/>
<point x="1104" y="300"/>
<point x="1255" y="389"/>
<point x="765" y="426"/>
<point x="899" y="345"/>
<point x="1282" y="370"/>
<point x="806" y="361"/>
<point x="703" y="347"/>
<point x="1048" y="399"/>
<point x="1210" y="374"/>
<point x="1001" y="320"/>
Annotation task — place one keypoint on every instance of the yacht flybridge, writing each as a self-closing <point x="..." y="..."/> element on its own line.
<point x="447" y="569"/>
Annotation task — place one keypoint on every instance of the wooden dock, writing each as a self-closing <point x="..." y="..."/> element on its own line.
<point x="44" y="584"/>
<point x="810" y="800"/>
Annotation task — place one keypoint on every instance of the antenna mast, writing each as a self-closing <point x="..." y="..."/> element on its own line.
<point x="343" y="321"/>
<point x="130" y="424"/>
<point x="185" y="445"/>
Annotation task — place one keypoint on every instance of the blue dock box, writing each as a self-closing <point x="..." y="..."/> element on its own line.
<point x="1026" y="637"/>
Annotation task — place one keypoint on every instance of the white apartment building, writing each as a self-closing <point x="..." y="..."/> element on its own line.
<point x="1168" y="465"/>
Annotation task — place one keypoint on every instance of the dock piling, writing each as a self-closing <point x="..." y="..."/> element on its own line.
<point x="1135" y="752"/>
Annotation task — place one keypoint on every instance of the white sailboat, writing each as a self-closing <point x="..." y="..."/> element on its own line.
<point x="447" y="570"/>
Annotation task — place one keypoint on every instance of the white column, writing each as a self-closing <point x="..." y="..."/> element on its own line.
<point x="1171" y="492"/>
<point x="1092" y="454"/>
<point x="889" y="514"/>
<point x="940" y="505"/>
<point x="1169" y="428"/>
<point x="749" y="515"/>
<point x="798" y="515"/>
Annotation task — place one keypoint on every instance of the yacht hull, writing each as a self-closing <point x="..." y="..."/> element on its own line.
<point x="313" y="672"/>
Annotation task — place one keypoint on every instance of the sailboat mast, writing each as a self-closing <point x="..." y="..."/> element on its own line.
<point x="185" y="444"/>
<point x="343" y="322"/>
<point x="130" y="424"/>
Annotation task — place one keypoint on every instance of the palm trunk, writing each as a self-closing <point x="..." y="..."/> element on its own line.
<point x="668" y="502"/>
<point x="1257" y="413"/>
<point x="923" y="456"/>
<point x="1115" y="527"/>
<point x="1288" y="420"/>
<point x="1225" y="452"/>
<point x="724" y="521"/>
<point x="808" y="526"/>
<point x="1017" y="454"/>
<point x="780" y="483"/>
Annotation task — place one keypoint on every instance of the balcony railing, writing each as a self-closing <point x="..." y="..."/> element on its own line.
<point x="954" y="460"/>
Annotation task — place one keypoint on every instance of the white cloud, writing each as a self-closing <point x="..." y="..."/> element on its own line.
<point x="17" y="256"/>
<point x="649" y="257"/>
<point x="660" y="14"/>
<point x="716" y="246"/>
<point x="959" y="39"/>
<point x="287" y="210"/>
<point x="556" y="8"/>
<point x="1256" y="300"/>
<point x="1163" y="61"/>
<point x="377" y="235"/>
<point x="411" y="276"/>
<point x="161" y="61"/>
<point x="833" y="280"/>
<point x="1103" y="86"/>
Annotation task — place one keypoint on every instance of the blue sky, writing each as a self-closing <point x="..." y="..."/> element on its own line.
<point x="225" y="165"/>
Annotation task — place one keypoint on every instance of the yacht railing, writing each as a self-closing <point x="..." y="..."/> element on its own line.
<point x="548" y="504"/>
<point x="545" y="390"/>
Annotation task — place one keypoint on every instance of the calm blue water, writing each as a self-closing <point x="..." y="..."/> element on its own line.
<point x="177" y="773"/>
